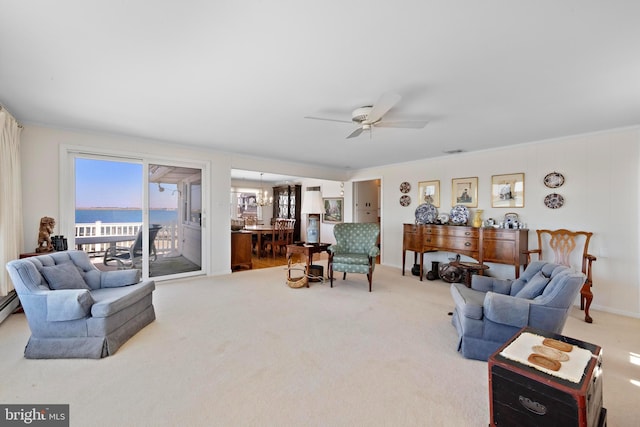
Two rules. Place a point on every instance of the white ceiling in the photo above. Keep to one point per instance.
(241, 76)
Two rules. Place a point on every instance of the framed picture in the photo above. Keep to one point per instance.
(333, 209)
(464, 191)
(507, 191)
(429, 192)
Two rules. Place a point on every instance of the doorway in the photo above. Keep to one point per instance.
(367, 206)
(175, 211)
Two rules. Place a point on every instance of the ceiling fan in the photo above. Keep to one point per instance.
(370, 116)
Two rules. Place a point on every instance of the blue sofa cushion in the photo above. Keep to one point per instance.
(119, 278)
(68, 304)
(468, 302)
(506, 310)
(109, 301)
(534, 286)
(64, 276)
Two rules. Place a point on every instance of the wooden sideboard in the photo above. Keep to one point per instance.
(497, 245)
(241, 243)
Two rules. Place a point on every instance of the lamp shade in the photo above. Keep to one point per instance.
(312, 202)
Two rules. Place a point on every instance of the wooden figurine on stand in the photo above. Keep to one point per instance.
(44, 234)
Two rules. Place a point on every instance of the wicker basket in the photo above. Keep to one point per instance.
(297, 282)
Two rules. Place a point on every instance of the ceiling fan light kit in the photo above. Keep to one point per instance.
(360, 115)
(370, 116)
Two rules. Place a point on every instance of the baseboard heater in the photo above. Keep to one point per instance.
(8, 305)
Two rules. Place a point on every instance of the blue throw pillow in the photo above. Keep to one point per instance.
(64, 276)
(534, 287)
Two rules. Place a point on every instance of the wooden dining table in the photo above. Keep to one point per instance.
(260, 231)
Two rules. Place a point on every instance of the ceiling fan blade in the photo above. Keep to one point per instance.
(384, 104)
(355, 133)
(411, 124)
(328, 120)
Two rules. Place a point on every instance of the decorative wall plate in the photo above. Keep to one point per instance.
(426, 213)
(405, 187)
(554, 201)
(405, 200)
(554, 180)
(459, 215)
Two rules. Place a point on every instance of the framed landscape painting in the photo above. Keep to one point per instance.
(464, 191)
(333, 209)
(507, 191)
(429, 192)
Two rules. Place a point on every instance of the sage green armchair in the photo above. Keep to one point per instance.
(355, 250)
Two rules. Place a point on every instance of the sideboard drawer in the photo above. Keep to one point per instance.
(456, 231)
(500, 234)
(468, 232)
(448, 243)
(410, 228)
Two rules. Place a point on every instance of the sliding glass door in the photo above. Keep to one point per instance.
(132, 214)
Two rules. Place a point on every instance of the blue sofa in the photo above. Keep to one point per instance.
(491, 311)
(75, 310)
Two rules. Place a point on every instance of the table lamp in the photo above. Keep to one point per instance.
(312, 206)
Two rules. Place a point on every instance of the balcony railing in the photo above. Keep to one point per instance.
(166, 240)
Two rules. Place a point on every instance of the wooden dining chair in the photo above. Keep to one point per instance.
(291, 226)
(279, 236)
(569, 248)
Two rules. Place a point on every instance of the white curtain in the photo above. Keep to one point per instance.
(10, 196)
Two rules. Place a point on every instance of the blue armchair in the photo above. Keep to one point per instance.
(493, 310)
(75, 310)
(355, 249)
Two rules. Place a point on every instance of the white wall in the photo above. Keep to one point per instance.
(601, 196)
(40, 152)
(601, 193)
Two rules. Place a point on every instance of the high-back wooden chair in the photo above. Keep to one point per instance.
(569, 248)
(291, 226)
(279, 236)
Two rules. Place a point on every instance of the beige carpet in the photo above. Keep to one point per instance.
(246, 350)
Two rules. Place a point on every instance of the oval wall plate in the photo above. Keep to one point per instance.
(554, 201)
(554, 180)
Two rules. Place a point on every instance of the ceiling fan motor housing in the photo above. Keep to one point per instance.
(361, 114)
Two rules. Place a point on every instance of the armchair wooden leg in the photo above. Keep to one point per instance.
(344, 276)
(330, 273)
(586, 296)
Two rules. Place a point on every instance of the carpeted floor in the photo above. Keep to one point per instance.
(246, 350)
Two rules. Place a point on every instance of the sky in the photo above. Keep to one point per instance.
(104, 183)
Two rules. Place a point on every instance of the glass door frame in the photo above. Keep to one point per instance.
(67, 199)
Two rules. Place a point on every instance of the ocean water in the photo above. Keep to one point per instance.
(156, 216)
